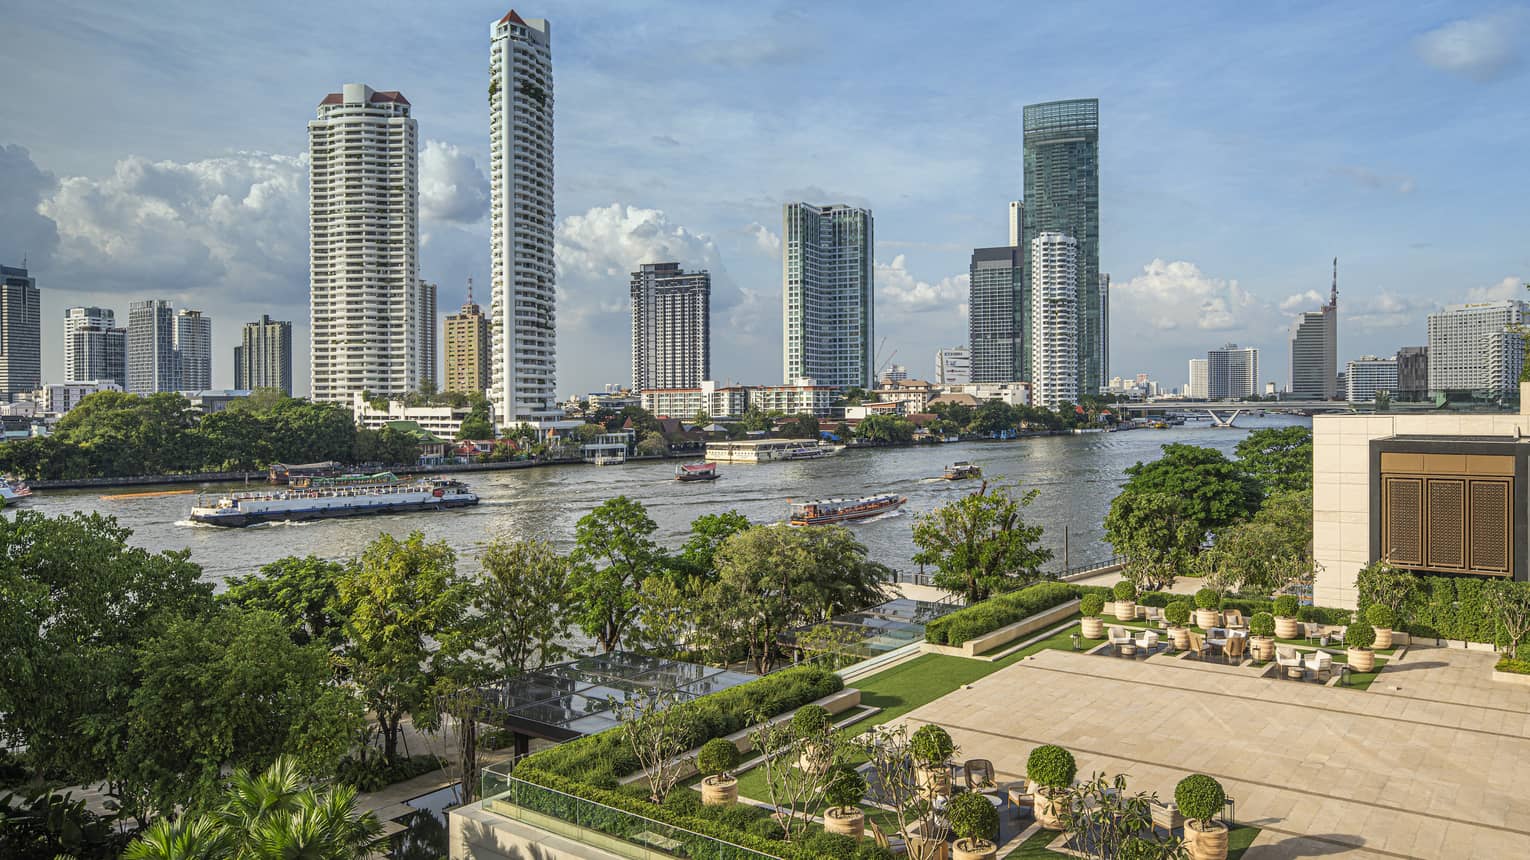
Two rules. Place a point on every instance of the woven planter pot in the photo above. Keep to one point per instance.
(933, 780)
(1126, 610)
(1181, 637)
(1049, 808)
(1092, 628)
(851, 822)
(1383, 638)
(1361, 659)
(814, 760)
(1285, 627)
(719, 791)
(1208, 618)
(1263, 648)
(975, 849)
(1206, 844)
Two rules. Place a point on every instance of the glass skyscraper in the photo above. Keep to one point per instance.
(1062, 195)
(997, 301)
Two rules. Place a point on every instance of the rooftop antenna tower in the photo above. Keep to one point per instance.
(1333, 292)
(470, 288)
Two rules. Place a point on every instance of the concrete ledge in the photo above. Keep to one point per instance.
(1004, 635)
(1511, 678)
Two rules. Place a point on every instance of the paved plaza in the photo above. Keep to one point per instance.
(1429, 763)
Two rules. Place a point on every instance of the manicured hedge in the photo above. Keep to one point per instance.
(1453, 607)
(973, 621)
(1513, 665)
(1250, 605)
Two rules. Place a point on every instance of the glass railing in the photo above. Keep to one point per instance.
(623, 833)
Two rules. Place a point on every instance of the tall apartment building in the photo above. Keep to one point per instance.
(1232, 372)
(671, 327)
(1476, 350)
(1104, 299)
(467, 348)
(1367, 376)
(523, 346)
(193, 351)
(1062, 195)
(1195, 389)
(96, 354)
(363, 214)
(953, 366)
(75, 319)
(1412, 373)
(263, 358)
(998, 299)
(1054, 319)
(1016, 222)
(1315, 349)
(20, 333)
(151, 347)
(427, 341)
(827, 296)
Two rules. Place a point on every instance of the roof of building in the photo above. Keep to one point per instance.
(512, 18)
(960, 398)
(414, 429)
(383, 96)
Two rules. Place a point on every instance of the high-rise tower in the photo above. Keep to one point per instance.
(20, 333)
(523, 346)
(151, 347)
(1315, 348)
(264, 357)
(364, 238)
(1054, 319)
(827, 294)
(997, 294)
(671, 327)
(467, 348)
(193, 351)
(77, 319)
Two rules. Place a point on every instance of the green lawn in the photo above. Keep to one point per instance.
(1239, 838)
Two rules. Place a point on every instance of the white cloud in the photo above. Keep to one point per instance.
(1384, 310)
(1297, 303)
(765, 241)
(1509, 288)
(24, 232)
(1172, 296)
(452, 188)
(1482, 48)
(899, 289)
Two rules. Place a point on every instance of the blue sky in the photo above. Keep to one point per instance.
(157, 150)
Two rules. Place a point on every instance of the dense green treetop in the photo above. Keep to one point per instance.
(613, 553)
(980, 544)
(1217, 491)
(1279, 458)
(300, 591)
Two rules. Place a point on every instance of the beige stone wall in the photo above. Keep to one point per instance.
(1341, 488)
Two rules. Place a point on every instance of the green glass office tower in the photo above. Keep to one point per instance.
(1062, 195)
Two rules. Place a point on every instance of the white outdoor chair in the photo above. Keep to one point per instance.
(1148, 640)
(1119, 637)
(1287, 657)
(1320, 663)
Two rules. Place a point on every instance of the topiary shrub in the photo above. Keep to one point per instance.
(845, 787)
(810, 720)
(1050, 766)
(1125, 590)
(931, 745)
(826, 844)
(1262, 624)
(1359, 635)
(682, 801)
(716, 757)
(972, 817)
(1285, 605)
(1177, 613)
(1208, 598)
(1199, 797)
(1092, 605)
(1309, 613)
(1381, 616)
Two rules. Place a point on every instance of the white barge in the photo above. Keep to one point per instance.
(325, 498)
(769, 450)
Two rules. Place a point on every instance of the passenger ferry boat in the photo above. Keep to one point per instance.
(696, 472)
(13, 491)
(962, 470)
(322, 498)
(769, 450)
(842, 510)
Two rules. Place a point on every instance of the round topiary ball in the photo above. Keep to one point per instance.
(1285, 605)
(931, 745)
(1051, 766)
(1381, 616)
(1208, 598)
(810, 720)
(845, 787)
(1177, 613)
(972, 817)
(716, 756)
(1125, 590)
(1359, 635)
(1200, 797)
(1092, 605)
(1262, 624)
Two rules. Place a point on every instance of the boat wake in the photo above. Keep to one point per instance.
(884, 516)
(192, 524)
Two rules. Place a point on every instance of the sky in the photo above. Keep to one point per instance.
(157, 150)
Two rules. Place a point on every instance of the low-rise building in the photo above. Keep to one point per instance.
(914, 393)
(806, 396)
(866, 410)
(215, 399)
(1368, 376)
(1012, 393)
(441, 421)
(716, 401)
(56, 398)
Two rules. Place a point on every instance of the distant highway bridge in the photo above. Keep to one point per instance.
(1224, 413)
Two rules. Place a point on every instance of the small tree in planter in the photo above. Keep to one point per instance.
(1091, 606)
(975, 823)
(1200, 798)
(1509, 603)
(1126, 600)
(784, 748)
(1381, 618)
(1050, 769)
(1358, 639)
(932, 749)
(889, 752)
(1208, 608)
(1106, 822)
(657, 734)
(1285, 616)
(716, 759)
(1261, 630)
(1178, 615)
(843, 793)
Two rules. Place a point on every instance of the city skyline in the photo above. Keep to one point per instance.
(1201, 247)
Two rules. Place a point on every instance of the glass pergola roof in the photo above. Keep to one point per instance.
(881, 628)
(564, 701)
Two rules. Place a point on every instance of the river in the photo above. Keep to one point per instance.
(1077, 477)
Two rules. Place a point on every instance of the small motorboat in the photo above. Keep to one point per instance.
(13, 491)
(696, 472)
(962, 470)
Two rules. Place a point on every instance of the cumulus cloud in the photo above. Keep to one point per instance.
(765, 241)
(1169, 296)
(899, 289)
(24, 232)
(1509, 288)
(1297, 303)
(1384, 310)
(452, 188)
(1482, 48)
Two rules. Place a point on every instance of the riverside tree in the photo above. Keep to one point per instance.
(521, 618)
(1279, 458)
(1216, 491)
(613, 554)
(1155, 535)
(300, 591)
(980, 544)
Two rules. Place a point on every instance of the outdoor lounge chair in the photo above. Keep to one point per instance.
(1119, 637)
(893, 844)
(1148, 641)
(1232, 619)
(1312, 631)
(1287, 657)
(1235, 648)
(1198, 645)
(1321, 664)
(979, 774)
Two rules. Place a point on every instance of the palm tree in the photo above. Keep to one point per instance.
(323, 826)
(194, 838)
(252, 799)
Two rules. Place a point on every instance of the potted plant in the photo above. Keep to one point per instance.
(1092, 627)
(975, 822)
(1199, 798)
(1178, 615)
(1208, 608)
(1358, 639)
(1261, 629)
(931, 747)
(1381, 618)
(716, 758)
(1050, 769)
(1126, 600)
(843, 792)
(811, 726)
(1285, 616)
